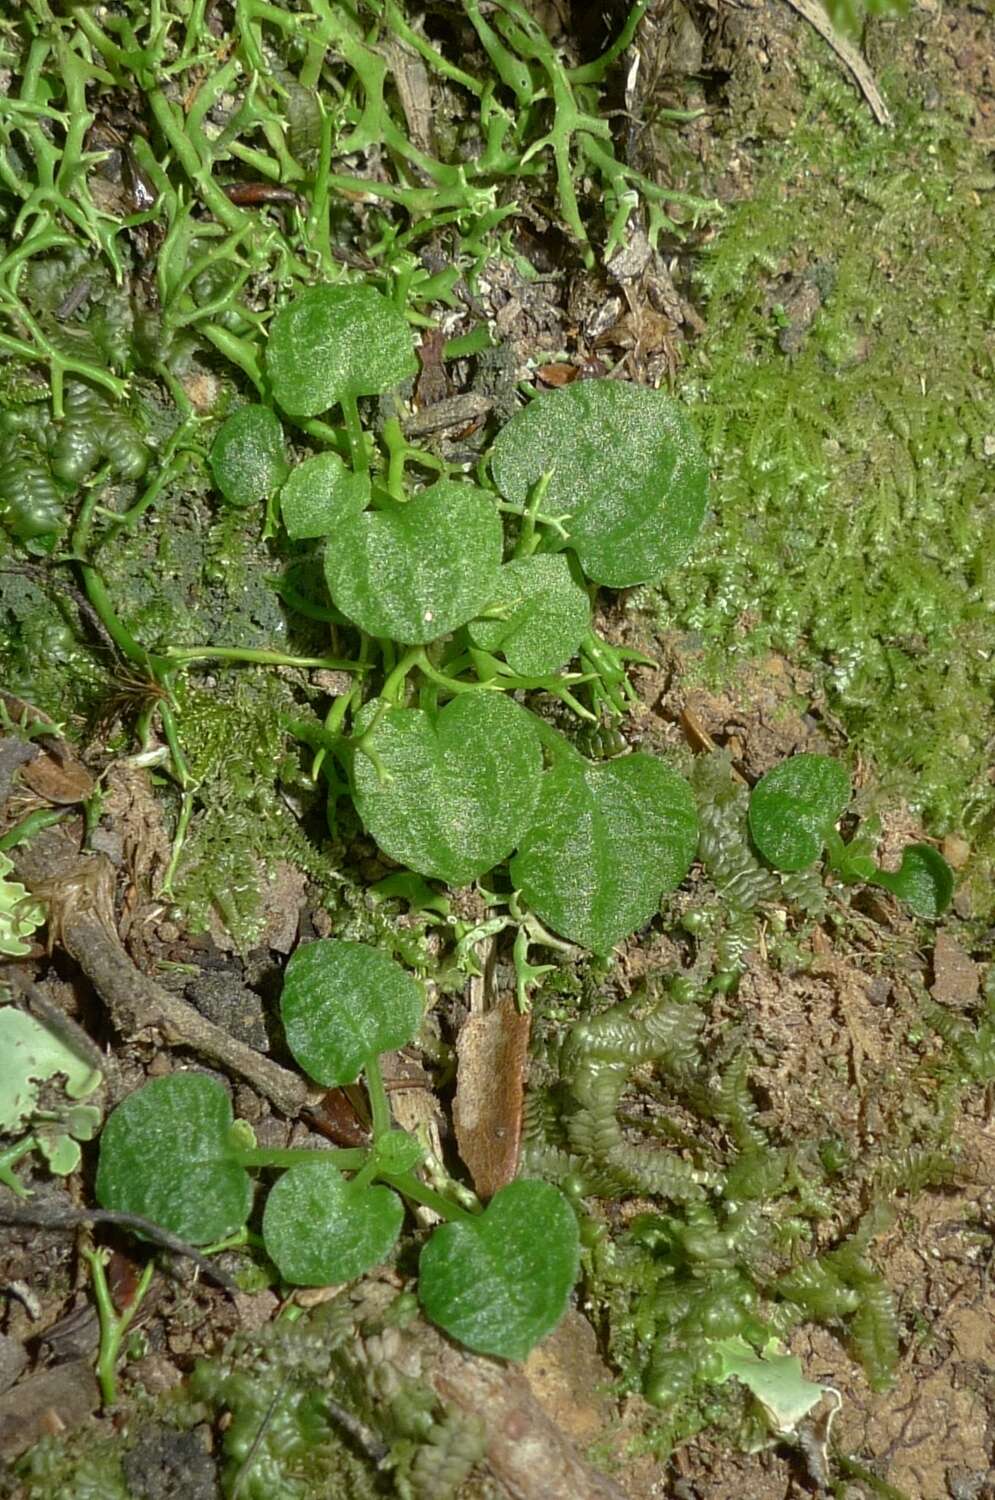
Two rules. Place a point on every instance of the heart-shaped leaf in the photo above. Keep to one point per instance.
(166, 1153)
(462, 786)
(418, 568)
(794, 806)
(248, 459)
(333, 342)
(343, 1003)
(606, 841)
(924, 881)
(546, 615)
(320, 495)
(502, 1282)
(625, 463)
(320, 1229)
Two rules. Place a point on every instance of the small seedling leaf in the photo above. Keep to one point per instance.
(502, 1282)
(625, 463)
(166, 1153)
(605, 843)
(320, 1229)
(794, 806)
(417, 569)
(924, 881)
(321, 495)
(397, 1152)
(344, 1003)
(248, 459)
(461, 786)
(335, 341)
(546, 616)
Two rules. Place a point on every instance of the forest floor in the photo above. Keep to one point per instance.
(829, 326)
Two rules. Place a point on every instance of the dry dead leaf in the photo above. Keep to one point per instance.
(490, 1087)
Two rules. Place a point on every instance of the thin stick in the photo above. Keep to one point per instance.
(69, 1218)
(848, 55)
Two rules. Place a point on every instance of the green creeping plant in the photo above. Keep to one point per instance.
(793, 813)
(475, 591)
(497, 1280)
(463, 593)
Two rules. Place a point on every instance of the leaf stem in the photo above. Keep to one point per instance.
(379, 1103)
(113, 1325)
(354, 431)
(408, 1186)
(349, 1158)
(259, 656)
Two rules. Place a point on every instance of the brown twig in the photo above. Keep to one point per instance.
(79, 894)
(849, 56)
(59, 1217)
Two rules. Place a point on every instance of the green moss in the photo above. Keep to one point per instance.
(54, 1468)
(854, 528)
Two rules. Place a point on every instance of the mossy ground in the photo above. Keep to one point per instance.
(843, 384)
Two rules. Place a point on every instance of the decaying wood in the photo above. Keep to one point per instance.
(528, 1454)
(79, 894)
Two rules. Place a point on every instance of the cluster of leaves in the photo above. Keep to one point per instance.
(497, 1280)
(457, 596)
(452, 788)
(20, 916)
(44, 1083)
(451, 791)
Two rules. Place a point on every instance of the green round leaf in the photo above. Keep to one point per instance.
(547, 615)
(626, 464)
(343, 1003)
(605, 843)
(320, 1229)
(418, 568)
(165, 1153)
(321, 495)
(793, 807)
(248, 459)
(333, 342)
(397, 1152)
(502, 1282)
(924, 881)
(462, 785)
